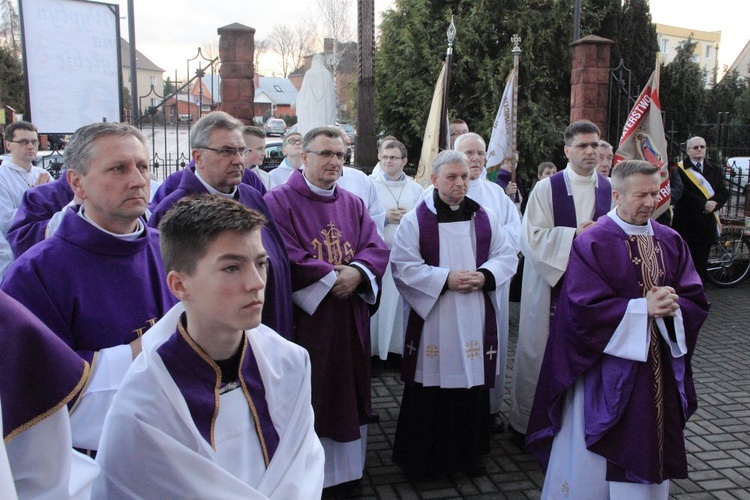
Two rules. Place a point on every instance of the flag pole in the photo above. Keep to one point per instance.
(516, 51)
(451, 35)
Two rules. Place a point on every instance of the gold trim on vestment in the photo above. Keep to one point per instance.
(31, 423)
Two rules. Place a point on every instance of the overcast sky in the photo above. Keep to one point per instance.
(170, 31)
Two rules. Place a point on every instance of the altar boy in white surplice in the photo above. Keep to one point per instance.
(217, 405)
(398, 194)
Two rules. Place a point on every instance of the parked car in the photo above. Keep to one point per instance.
(738, 171)
(274, 156)
(275, 126)
(350, 132)
(186, 117)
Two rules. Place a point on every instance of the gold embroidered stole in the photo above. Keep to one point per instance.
(648, 258)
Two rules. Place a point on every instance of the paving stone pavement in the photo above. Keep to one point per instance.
(718, 434)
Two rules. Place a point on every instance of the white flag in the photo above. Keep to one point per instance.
(500, 148)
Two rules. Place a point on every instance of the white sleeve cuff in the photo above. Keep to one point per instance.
(371, 295)
(677, 347)
(309, 298)
(632, 336)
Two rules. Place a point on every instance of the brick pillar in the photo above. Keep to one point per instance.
(236, 50)
(589, 81)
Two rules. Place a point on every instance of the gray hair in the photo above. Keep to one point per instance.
(330, 132)
(447, 157)
(79, 153)
(469, 135)
(692, 140)
(628, 168)
(204, 127)
(605, 144)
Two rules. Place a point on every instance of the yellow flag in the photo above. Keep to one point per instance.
(431, 140)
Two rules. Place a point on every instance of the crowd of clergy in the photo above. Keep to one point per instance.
(213, 336)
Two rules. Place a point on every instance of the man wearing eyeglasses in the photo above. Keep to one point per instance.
(560, 208)
(337, 260)
(291, 148)
(219, 154)
(18, 174)
(696, 214)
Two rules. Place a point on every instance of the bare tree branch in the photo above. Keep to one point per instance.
(282, 42)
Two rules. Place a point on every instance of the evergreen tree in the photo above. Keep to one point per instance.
(636, 42)
(682, 91)
(12, 85)
(723, 96)
(169, 87)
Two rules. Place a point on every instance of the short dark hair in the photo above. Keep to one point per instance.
(79, 153)
(253, 132)
(384, 140)
(11, 129)
(579, 127)
(194, 222)
(459, 121)
(628, 168)
(330, 132)
(544, 166)
(396, 145)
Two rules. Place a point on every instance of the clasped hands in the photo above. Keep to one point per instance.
(465, 281)
(662, 301)
(347, 281)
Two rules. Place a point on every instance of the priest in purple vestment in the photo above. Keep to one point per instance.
(616, 386)
(337, 260)
(99, 282)
(39, 377)
(218, 150)
(35, 213)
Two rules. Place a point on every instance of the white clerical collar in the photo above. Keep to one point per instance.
(15, 166)
(631, 229)
(319, 191)
(580, 179)
(212, 190)
(387, 178)
(139, 227)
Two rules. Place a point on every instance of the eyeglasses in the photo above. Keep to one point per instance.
(225, 151)
(698, 147)
(391, 158)
(26, 142)
(327, 154)
(469, 154)
(296, 142)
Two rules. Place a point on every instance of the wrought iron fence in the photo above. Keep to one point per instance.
(167, 123)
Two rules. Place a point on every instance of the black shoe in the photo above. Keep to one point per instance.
(475, 469)
(497, 423)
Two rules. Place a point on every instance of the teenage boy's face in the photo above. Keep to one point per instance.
(226, 289)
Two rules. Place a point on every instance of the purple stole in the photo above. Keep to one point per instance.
(39, 374)
(564, 210)
(429, 248)
(199, 378)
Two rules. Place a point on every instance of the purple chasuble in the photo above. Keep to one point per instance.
(620, 421)
(429, 247)
(199, 379)
(173, 180)
(92, 289)
(37, 207)
(320, 232)
(39, 374)
(277, 307)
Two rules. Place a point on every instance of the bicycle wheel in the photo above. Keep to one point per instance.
(729, 260)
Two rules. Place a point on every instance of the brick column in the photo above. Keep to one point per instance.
(236, 50)
(589, 81)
